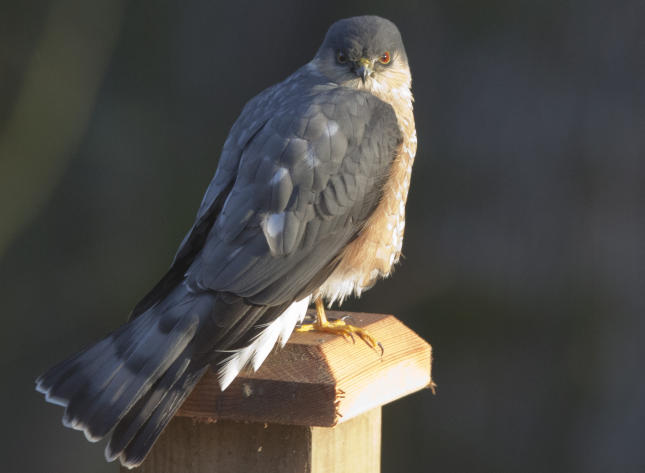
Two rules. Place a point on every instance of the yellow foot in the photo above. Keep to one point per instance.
(339, 327)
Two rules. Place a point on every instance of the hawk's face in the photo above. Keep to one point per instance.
(365, 52)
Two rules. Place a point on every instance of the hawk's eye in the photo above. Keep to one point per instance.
(385, 58)
(341, 58)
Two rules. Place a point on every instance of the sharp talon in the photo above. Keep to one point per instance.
(339, 327)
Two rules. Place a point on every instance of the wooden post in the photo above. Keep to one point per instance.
(313, 407)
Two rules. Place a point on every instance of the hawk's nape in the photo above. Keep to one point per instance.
(303, 173)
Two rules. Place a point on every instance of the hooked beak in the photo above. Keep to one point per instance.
(363, 68)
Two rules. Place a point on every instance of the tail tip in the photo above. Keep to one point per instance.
(49, 397)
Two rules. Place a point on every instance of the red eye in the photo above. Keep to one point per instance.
(385, 58)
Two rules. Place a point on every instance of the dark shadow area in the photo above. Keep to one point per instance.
(524, 257)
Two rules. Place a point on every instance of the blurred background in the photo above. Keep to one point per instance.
(525, 256)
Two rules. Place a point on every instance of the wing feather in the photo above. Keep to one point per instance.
(305, 186)
(300, 172)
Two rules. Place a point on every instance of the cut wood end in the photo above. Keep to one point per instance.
(320, 379)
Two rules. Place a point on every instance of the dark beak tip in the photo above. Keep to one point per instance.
(363, 72)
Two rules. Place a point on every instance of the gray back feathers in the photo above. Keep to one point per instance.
(302, 170)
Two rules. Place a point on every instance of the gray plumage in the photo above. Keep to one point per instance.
(366, 36)
(266, 242)
(300, 173)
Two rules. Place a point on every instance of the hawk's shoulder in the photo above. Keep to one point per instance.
(300, 172)
(303, 185)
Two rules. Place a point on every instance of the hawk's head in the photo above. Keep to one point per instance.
(364, 52)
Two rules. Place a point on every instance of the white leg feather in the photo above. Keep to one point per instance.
(254, 354)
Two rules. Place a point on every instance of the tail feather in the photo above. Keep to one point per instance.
(130, 424)
(129, 385)
(58, 381)
(134, 377)
(172, 399)
(122, 380)
(59, 384)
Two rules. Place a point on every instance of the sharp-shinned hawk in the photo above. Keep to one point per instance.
(307, 203)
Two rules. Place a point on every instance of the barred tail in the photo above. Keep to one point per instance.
(133, 381)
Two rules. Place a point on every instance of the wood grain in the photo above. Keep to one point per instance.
(353, 446)
(321, 379)
(313, 407)
(189, 446)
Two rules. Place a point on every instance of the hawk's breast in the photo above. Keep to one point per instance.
(378, 247)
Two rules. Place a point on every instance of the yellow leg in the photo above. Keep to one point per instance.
(338, 327)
